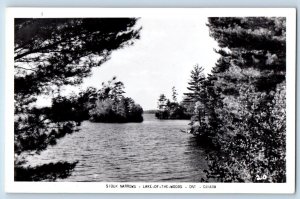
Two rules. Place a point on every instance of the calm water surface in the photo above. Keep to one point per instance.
(152, 151)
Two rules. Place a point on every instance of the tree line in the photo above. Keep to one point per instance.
(49, 54)
(172, 109)
(107, 104)
(239, 109)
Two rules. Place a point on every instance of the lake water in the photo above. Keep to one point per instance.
(151, 151)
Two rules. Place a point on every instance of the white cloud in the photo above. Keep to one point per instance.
(162, 58)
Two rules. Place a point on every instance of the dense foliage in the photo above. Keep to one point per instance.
(110, 105)
(50, 53)
(168, 109)
(194, 98)
(241, 110)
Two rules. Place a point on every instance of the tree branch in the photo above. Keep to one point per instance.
(26, 68)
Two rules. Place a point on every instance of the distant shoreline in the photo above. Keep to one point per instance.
(150, 111)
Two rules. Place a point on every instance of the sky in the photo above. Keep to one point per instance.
(163, 57)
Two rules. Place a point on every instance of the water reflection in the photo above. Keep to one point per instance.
(197, 158)
(152, 151)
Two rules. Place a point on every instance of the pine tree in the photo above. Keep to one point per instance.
(162, 102)
(49, 54)
(240, 93)
(195, 84)
(174, 94)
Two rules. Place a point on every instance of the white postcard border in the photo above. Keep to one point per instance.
(101, 187)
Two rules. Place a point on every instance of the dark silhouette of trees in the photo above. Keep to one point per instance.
(171, 109)
(162, 102)
(50, 172)
(162, 112)
(49, 54)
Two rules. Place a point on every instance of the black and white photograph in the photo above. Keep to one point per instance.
(169, 101)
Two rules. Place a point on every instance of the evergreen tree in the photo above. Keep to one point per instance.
(174, 94)
(195, 84)
(242, 92)
(113, 89)
(112, 106)
(162, 102)
(49, 54)
(258, 43)
(171, 109)
(196, 100)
